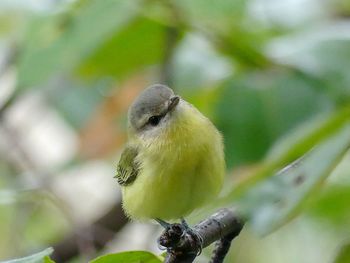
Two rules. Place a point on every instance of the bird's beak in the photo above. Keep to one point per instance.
(173, 102)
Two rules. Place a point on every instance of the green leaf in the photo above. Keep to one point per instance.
(41, 257)
(128, 257)
(59, 44)
(47, 259)
(288, 154)
(139, 44)
(333, 206)
(343, 255)
(256, 109)
(273, 202)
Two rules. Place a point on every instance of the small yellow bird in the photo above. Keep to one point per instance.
(173, 162)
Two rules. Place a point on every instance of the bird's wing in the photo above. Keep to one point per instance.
(128, 168)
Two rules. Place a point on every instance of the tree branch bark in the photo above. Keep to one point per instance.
(183, 246)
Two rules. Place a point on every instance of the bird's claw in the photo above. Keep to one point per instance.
(177, 235)
(171, 236)
(196, 240)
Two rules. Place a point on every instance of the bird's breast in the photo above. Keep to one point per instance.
(179, 169)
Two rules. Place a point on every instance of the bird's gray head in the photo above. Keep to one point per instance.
(152, 108)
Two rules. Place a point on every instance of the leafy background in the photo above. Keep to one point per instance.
(274, 76)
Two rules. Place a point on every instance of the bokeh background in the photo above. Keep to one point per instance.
(69, 69)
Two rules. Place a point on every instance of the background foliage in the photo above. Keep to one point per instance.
(274, 76)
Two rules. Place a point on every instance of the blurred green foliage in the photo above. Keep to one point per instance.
(277, 200)
(263, 107)
(40, 257)
(344, 254)
(64, 41)
(142, 35)
(276, 83)
(128, 257)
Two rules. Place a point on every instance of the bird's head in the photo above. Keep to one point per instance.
(153, 111)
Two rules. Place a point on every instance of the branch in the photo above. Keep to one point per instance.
(183, 246)
(7, 104)
(222, 246)
(99, 232)
(7, 63)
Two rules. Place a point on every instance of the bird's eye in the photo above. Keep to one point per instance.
(154, 120)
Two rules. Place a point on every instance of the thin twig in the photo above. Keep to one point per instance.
(7, 104)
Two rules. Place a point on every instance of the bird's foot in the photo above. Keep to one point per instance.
(163, 223)
(179, 237)
(197, 240)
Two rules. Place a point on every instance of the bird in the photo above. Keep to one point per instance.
(173, 161)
